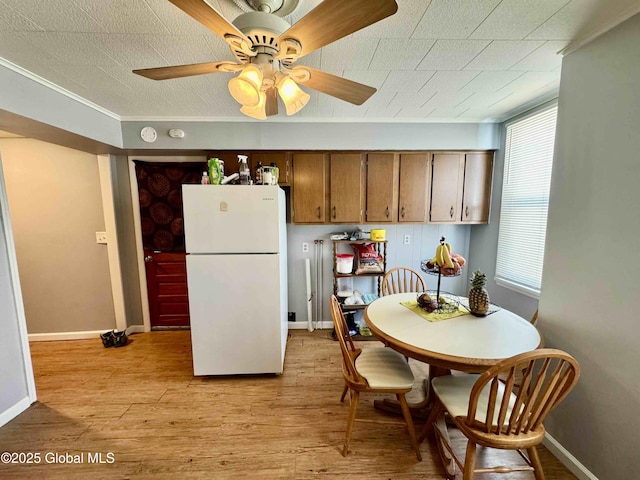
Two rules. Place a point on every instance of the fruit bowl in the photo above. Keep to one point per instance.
(446, 303)
(433, 269)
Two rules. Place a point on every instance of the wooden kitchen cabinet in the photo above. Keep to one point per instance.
(382, 187)
(347, 188)
(476, 196)
(309, 188)
(413, 187)
(447, 179)
(282, 161)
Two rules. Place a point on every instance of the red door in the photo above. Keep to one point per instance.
(160, 197)
(167, 289)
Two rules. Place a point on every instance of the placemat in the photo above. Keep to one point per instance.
(433, 317)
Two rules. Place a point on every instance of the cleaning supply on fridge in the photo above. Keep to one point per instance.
(275, 172)
(259, 172)
(205, 179)
(245, 174)
(216, 172)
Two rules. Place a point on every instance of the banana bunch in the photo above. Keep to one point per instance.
(447, 263)
(443, 256)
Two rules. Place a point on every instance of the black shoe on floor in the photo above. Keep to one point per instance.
(108, 339)
(119, 339)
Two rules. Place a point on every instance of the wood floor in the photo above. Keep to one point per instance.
(142, 404)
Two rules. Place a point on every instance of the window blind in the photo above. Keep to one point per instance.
(525, 201)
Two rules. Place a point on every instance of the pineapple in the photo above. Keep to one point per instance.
(478, 296)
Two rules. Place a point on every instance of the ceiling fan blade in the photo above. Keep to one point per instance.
(334, 19)
(271, 107)
(209, 17)
(347, 90)
(178, 71)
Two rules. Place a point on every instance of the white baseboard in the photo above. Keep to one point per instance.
(305, 325)
(135, 329)
(13, 412)
(568, 460)
(53, 337)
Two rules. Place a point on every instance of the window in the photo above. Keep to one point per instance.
(525, 201)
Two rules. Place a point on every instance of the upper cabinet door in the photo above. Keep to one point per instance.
(446, 187)
(478, 176)
(309, 190)
(282, 161)
(414, 187)
(347, 187)
(382, 187)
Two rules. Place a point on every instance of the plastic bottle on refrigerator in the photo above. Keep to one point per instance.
(259, 174)
(245, 174)
(205, 179)
(276, 173)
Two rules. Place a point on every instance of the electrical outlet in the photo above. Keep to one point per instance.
(101, 237)
(305, 247)
(407, 239)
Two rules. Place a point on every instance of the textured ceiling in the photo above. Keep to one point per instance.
(438, 60)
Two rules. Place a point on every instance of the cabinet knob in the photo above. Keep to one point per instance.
(402, 212)
(319, 211)
(148, 259)
(334, 212)
(387, 212)
(451, 211)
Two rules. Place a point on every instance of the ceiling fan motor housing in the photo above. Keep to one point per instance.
(261, 28)
(276, 7)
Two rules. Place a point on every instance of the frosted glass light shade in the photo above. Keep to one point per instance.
(259, 111)
(245, 88)
(294, 99)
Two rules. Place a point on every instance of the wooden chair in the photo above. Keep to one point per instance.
(489, 412)
(401, 280)
(374, 370)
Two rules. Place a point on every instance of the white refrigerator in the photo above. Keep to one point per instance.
(236, 243)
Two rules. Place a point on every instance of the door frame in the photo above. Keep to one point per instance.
(135, 202)
(17, 295)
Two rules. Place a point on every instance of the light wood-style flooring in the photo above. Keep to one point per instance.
(142, 403)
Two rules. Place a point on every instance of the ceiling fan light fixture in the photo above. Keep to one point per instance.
(293, 97)
(259, 112)
(245, 88)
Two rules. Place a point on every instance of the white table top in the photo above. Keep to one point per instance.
(464, 341)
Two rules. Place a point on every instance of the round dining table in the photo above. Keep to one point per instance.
(466, 342)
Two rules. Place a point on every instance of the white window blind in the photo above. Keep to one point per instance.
(525, 201)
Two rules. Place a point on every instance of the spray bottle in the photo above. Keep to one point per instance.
(245, 174)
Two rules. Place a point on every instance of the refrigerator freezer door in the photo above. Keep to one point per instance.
(236, 314)
(232, 218)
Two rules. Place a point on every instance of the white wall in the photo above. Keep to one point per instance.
(39, 100)
(56, 208)
(424, 240)
(299, 135)
(590, 289)
(16, 376)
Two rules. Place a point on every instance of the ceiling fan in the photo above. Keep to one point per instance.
(267, 47)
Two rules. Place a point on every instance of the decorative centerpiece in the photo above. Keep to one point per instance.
(478, 295)
(443, 264)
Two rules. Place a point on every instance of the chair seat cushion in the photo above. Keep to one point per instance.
(384, 368)
(454, 392)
